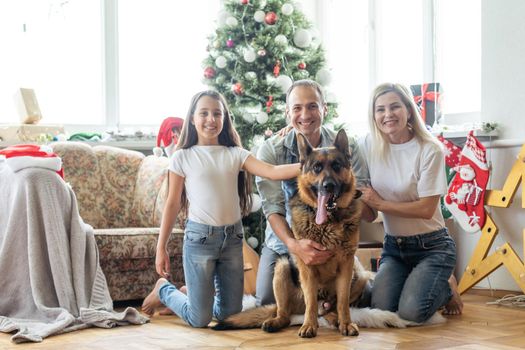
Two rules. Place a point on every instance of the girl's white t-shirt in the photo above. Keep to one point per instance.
(211, 174)
(412, 171)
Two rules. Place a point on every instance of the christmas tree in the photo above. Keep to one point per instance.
(258, 49)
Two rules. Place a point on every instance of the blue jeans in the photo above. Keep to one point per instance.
(214, 274)
(413, 274)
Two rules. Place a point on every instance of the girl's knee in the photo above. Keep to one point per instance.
(199, 321)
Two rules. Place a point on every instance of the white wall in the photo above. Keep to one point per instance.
(502, 100)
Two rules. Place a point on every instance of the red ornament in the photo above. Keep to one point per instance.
(230, 43)
(301, 65)
(209, 72)
(245, 2)
(270, 18)
(238, 89)
(269, 103)
(277, 68)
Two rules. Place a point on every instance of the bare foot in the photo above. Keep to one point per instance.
(455, 305)
(166, 311)
(152, 301)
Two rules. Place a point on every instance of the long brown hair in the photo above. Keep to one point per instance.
(227, 137)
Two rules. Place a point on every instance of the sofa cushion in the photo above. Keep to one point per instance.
(81, 170)
(118, 169)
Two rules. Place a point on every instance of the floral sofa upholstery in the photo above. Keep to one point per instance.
(121, 194)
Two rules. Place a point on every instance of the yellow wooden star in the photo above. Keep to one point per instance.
(481, 265)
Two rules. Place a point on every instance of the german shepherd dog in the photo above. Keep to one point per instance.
(324, 210)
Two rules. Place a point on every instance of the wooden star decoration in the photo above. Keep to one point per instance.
(481, 265)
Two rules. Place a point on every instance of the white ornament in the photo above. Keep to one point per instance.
(221, 18)
(281, 40)
(262, 4)
(287, 9)
(316, 37)
(330, 97)
(323, 76)
(262, 117)
(258, 16)
(252, 242)
(248, 118)
(256, 202)
(231, 22)
(250, 75)
(249, 55)
(220, 62)
(284, 82)
(302, 38)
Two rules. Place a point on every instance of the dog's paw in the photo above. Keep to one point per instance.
(275, 324)
(308, 331)
(349, 329)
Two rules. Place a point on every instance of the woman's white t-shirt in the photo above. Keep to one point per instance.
(412, 171)
(211, 174)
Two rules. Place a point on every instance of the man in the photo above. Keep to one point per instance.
(305, 111)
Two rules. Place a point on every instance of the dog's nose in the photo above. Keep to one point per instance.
(329, 185)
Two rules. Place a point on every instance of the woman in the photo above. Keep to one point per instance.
(407, 177)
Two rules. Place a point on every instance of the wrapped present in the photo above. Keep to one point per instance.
(428, 99)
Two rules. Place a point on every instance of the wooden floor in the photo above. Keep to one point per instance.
(480, 327)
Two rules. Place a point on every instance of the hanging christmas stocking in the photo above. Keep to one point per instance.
(168, 136)
(452, 156)
(466, 194)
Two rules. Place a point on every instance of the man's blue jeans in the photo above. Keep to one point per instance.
(214, 274)
(413, 274)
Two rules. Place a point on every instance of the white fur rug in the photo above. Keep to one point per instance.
(365, 317)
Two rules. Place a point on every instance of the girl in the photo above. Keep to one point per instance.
(418, 257)
(205, 178)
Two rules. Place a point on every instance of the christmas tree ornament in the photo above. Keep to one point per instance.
(269, 103)
(221, 18)
(301, 65)
(220, 62)
(268, 133)
(209, 72)
(277, 68)
(270, 18)
(248, 118)
(323, 76)
(258, 16)
(302, 38)
(316, 37)
(262, 4)
(287, 9)
(281, 40)
(220, 80)
(261, 52)
(238, 89)
(253, 242)
(466, 194)
(262, 117)
(216, 44)
(245, 2)
(250, 75)
(330, 97)
(231, 22)
(249, 55)
(230, 43)
(284, 82)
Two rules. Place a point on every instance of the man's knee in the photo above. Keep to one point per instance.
(199, 320)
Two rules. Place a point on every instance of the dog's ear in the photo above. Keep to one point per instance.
(304, 147)
(341, 142)
(357, 194)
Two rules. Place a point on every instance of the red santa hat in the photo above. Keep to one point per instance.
(166, 137)
(19, 157)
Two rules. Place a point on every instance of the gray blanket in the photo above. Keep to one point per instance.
(50, 277)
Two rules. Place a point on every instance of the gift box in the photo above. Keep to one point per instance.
(428, 99)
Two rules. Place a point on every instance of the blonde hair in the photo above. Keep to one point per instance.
(380, 143)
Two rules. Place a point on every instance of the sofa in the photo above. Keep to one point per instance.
(121, 194)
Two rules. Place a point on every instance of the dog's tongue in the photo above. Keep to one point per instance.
(321, 215)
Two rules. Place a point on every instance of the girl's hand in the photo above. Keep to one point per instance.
(371, 197)
(162, 263)
(284, 131)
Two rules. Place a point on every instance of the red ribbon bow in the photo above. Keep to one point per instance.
(424, 97)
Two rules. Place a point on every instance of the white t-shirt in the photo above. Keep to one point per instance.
(211, 174)
(413, 171)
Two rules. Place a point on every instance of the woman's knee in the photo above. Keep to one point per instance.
(199, 320)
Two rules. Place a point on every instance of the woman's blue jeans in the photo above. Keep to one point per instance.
(413, 274)
(214, 274)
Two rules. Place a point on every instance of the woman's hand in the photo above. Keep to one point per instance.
(162, 262)
(371, 197)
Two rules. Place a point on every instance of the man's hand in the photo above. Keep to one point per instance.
(310, 252)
